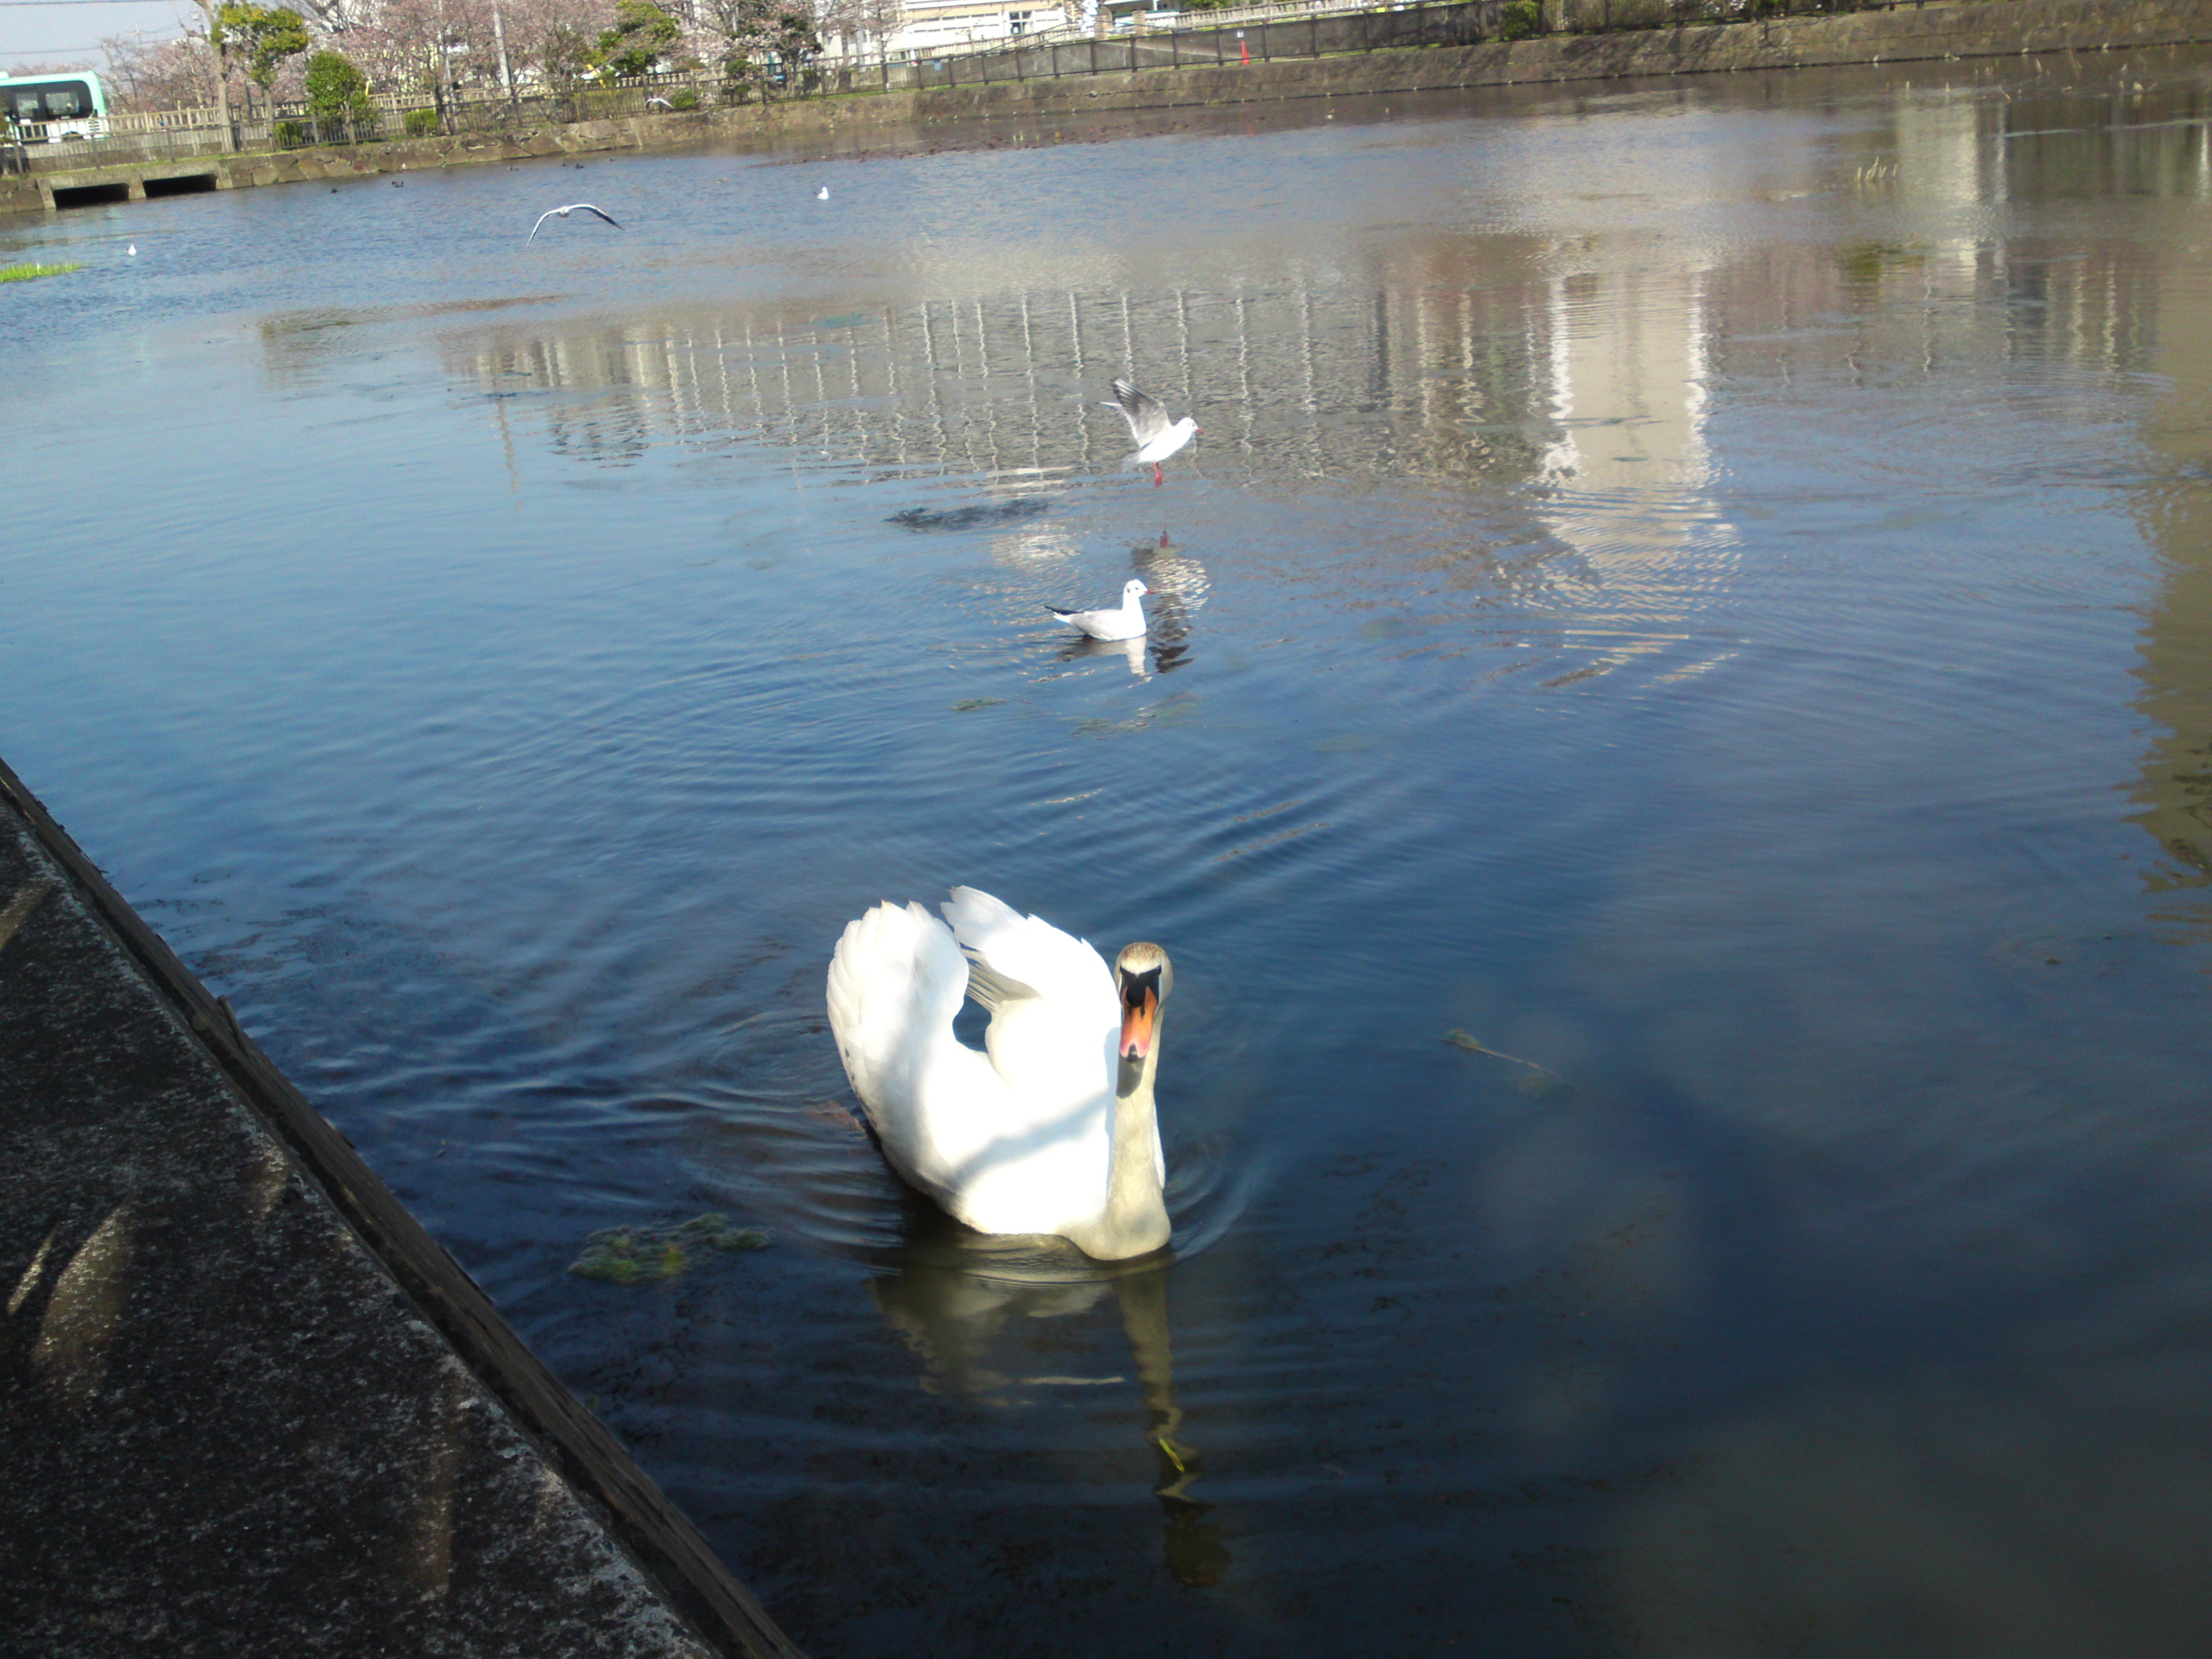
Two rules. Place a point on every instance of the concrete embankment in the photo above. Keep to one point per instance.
(1935, 31)
(1601, 45)
(251, 1407)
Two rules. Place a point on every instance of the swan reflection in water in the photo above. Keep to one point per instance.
(953, 1294)
(1179, 584)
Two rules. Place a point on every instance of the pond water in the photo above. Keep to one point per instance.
(1673, 763)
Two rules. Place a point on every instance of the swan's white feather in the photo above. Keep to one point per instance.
(1057, 967)
(1018, 1142)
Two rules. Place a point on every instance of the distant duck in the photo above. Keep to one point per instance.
(823, 194)
(1125, 622)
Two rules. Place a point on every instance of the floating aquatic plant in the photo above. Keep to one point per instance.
(638, 1255)
(25, 273)
(1474, 1045)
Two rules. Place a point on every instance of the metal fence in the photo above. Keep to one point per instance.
(1314, 35)
(1256, 33)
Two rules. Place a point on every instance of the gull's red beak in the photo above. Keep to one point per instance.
(1140, 1007)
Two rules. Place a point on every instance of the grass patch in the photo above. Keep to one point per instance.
(25, 273)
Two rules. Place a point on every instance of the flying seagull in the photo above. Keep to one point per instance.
(1157, 436)
(562, 213)
(1125, 622)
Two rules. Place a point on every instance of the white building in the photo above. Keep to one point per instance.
(935, 25)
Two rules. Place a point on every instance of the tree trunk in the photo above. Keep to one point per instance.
(221, 76)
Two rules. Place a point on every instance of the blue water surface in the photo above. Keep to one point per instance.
(1672, 763)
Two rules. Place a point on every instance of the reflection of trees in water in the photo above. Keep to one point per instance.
(1428, 364)
(1968, 313)
(2173, 793)
(973, 1308)
(2123, 138)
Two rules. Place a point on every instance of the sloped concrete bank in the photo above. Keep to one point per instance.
(249, 1407)
(1605, 49)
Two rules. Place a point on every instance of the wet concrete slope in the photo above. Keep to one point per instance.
(242, 1411)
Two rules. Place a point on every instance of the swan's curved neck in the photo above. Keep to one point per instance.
(1135, 1219)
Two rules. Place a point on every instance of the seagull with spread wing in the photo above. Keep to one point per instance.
(563, 212)
(1157, 436)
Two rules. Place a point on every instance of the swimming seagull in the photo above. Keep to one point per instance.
(1125, 621)
(562, 213)
(132, 250)
(823, 194)
(1157, 436)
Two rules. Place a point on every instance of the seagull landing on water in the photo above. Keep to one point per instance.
(1125, 621)
(562, 213)
(1157, 436)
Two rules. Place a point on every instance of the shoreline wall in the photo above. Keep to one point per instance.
(1941, 29)
(1937, 30)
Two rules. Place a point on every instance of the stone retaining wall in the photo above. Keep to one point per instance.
(1985, 28)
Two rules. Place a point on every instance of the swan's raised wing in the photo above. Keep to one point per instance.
(1059, 1039)
(1005, 1158)
(894, 987)
(1030, 951)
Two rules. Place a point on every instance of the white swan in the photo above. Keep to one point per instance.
(1035, 1136)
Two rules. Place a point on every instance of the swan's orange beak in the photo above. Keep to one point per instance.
(1140, 1007)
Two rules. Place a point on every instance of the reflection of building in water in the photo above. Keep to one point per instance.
(1627, 385)
(1456, 359)
(1566, 380)
(1422, 367)
(1923, 306)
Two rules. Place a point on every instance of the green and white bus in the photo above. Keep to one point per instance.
(44, 108)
